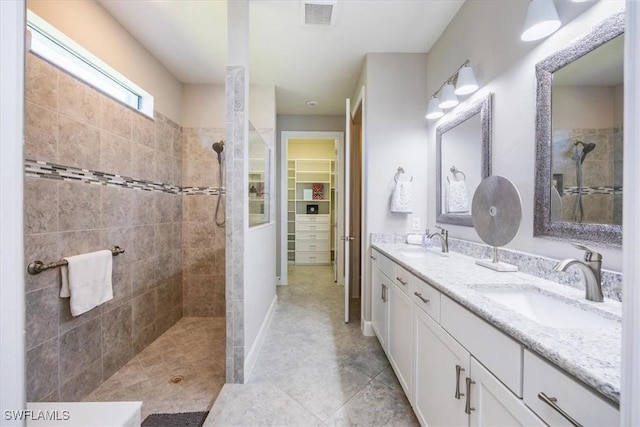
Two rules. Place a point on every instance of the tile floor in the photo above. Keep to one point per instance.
(313, 368)
(192, 348)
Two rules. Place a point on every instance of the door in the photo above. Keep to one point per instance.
(346, 240)
(442, 365)
(493, 404)
(379, 308)
(400, 337)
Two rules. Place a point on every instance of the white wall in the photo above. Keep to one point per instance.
(87, 23)
(395, 134)
(488, 34)
(12, 305)
(261, 241)
(583, 107)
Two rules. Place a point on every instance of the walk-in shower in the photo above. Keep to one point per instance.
(219, 216)
(580, 154)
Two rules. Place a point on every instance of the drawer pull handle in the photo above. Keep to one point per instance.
(467, 406)
(384, 292)
(551, 401)
(425, 300)
(401, 280)
(373, 258)
(458, 370)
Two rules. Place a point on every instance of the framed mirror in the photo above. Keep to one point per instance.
(463, 153)
(579, 138)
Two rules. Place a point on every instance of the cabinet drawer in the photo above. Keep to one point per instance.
(404, 279)
(498, 352)
(312, 245)
(426, 298)
(312, 218)
(386, 266)
(313, 258)
(311, 235)
(312, 226)
(577, 400)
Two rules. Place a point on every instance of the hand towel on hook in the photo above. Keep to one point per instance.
(457, 197)
(87, 280)
(402, 197)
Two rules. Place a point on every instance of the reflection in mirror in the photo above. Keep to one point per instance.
(463, 161)
(259, 173)
(579, 133)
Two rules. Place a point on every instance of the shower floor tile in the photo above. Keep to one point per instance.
(192, 349)
(313, 369)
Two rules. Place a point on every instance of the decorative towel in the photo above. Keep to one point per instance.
(402, 197)
(87, 280)
(457, 197)
(415, 239)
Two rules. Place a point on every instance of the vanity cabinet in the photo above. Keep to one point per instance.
(541, 379)
(379, 310)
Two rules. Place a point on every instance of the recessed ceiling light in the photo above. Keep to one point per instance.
(312, 103)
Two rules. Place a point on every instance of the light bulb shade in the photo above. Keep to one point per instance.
(542, 20)
(466, 83)
(448, 98)
(433, 110)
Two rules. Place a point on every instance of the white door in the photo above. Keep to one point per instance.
(492, 404)
(337, 192)
(347, 220)
(442, 366)
(400, 337)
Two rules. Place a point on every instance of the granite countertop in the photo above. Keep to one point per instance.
(591, 354)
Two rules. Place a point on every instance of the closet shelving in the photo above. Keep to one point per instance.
(310, 211)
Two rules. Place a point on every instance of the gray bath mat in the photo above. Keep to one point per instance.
(183, 419)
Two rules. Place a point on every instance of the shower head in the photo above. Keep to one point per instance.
(586, 149)
(218, 147)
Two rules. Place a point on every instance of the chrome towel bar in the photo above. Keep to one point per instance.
(37, 267)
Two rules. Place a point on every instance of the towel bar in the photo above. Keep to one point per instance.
(37, 267)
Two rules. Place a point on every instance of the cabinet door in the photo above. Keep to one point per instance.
(400, 337)
(379, 314)
(493, 404)
(436, 356)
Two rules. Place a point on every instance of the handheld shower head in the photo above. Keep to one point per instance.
(586, 149)
(218, 147)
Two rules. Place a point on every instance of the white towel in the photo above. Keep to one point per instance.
(402, 197)
(87, 280)
(457, 198)
(415, 239)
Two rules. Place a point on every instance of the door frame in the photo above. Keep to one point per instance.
(285, 136)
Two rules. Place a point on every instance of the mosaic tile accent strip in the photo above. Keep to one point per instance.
(535, 265)
(67, 173)
(593, 190)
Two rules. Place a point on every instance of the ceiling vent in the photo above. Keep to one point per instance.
(318, 13)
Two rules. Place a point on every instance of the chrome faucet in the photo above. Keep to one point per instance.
(444, 238)
(591, 269)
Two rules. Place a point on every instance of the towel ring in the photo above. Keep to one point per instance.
(454, 170)
(400, 171)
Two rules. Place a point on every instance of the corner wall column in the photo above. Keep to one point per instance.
(237, 135)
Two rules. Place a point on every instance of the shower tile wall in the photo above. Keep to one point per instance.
(602, 173)
(203, 240)
(69, 123)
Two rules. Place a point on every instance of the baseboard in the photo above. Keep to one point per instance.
(367, 328)
(252, 356)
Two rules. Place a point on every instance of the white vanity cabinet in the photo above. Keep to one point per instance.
(568, 396)
(379, 307)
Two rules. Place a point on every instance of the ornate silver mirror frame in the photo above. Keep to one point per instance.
(482, 107)
(607, 234)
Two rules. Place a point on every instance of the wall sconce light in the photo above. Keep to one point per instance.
(462, 82)
(542, 20)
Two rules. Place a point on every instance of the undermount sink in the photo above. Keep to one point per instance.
(547, 310)
(420, 252)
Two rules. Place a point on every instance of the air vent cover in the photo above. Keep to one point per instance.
(318, 13)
